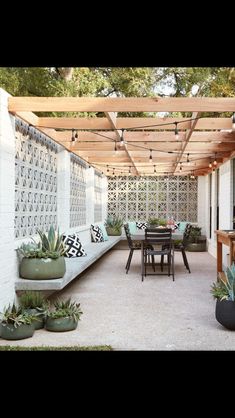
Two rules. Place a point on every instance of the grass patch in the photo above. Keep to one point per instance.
(50, 348)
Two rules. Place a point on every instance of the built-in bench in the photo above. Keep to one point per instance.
(74, 267)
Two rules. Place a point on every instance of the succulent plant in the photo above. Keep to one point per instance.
(15, 315)
(64, 309)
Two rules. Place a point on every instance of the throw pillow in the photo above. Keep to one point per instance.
(75, 248)
(104, 232)
(177, 225)
(96, 233)
(141, 225)
(132, 227)
(182, 226)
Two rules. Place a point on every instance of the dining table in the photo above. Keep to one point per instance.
(140, 236)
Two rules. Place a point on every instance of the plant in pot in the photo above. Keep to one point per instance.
(224, 293)
(195, 241)
(16, 323)
(113, 225)
(35, 304)
(43, 260)
(63, 316)
(153, 222)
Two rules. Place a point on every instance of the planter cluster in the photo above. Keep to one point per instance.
(34, 312)
(224, 293)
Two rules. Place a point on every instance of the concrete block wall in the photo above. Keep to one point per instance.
(8, 243)
(225, 206)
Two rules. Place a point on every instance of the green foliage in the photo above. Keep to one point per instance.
(64, 309)
(52, 348)
(195, 233)
(33, 300)
(51, 245)
(225, 287)
(153, 221)
(114, 222)
(16, 316)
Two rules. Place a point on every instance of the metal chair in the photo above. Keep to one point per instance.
(133, 246)
(181, 246)
(162, 238)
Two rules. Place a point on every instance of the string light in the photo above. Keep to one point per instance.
(129, 170)
(188, 162)
(76, 135)
(122, 138)
(115, 147)
(215, 162)
(113, 171)
(176, 131)
(233, 122)
(107, 169)
(180, 166)
(73, 139)
(210, 165)
(155, 169)
(150, 156)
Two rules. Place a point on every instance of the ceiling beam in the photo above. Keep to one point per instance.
(188, 136)
(119, 104)
(112, 118)
(122, 123)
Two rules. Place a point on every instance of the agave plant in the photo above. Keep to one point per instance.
(33, 300)
(225, 288)
(51, 245)
(16, 316)
(64, 309)
(114, 222)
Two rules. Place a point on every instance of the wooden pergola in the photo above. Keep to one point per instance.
(202, 141)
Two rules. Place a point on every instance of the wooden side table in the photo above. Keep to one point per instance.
(226, 237)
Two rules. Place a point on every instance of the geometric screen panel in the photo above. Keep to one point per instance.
(98, 198)
(77, 192)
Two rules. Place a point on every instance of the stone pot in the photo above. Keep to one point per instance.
(196, 246)
(42, 268)
(60, 324)
(9, 332)
(113, 231)
(40, 321)
(225, 313)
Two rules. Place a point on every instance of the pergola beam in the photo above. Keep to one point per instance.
(119, 104)
(165, 124)
(112, 118)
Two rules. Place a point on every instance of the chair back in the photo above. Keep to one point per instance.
(186, 233)
(128, 235)
(159, 236)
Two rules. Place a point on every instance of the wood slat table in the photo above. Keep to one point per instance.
(226, 237)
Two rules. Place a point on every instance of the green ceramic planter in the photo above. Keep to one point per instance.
(112, 231)
(42, 268)
(196, 247)
(60, 324)
(40, 321)
(9, 332)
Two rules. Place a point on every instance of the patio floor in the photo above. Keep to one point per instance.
(157, 314)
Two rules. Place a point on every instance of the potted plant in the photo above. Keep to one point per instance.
(43, 260)
(113, 225)
(196, 241)
(16, 324)
(64, 316)
(35, 304)
(224, 293)
(153, 222)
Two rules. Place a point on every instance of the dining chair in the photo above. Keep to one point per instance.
(161, 241)
(133, 245)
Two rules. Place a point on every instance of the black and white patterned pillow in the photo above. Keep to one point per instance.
(96, 233)
(177, 224)
(141, 225)
(74, 245)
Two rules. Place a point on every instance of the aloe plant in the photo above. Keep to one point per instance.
(16, 316)
(51, 245)
(114, 222)
(225, 288)
(64, 309)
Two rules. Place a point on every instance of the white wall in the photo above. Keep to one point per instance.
(7, 203)
(225, 207)
(8, 243)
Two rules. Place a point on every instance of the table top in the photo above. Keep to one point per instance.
(226, 232)
(140, 235)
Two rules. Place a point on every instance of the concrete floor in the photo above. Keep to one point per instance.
(157, 314)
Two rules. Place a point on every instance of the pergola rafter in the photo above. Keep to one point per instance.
(200, 138)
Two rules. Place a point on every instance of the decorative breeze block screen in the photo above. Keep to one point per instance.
(77, 192)
(35, 181)
(140, 198)
(98, 198)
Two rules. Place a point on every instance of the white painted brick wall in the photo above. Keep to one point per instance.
(8, 244)
(7, 203)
